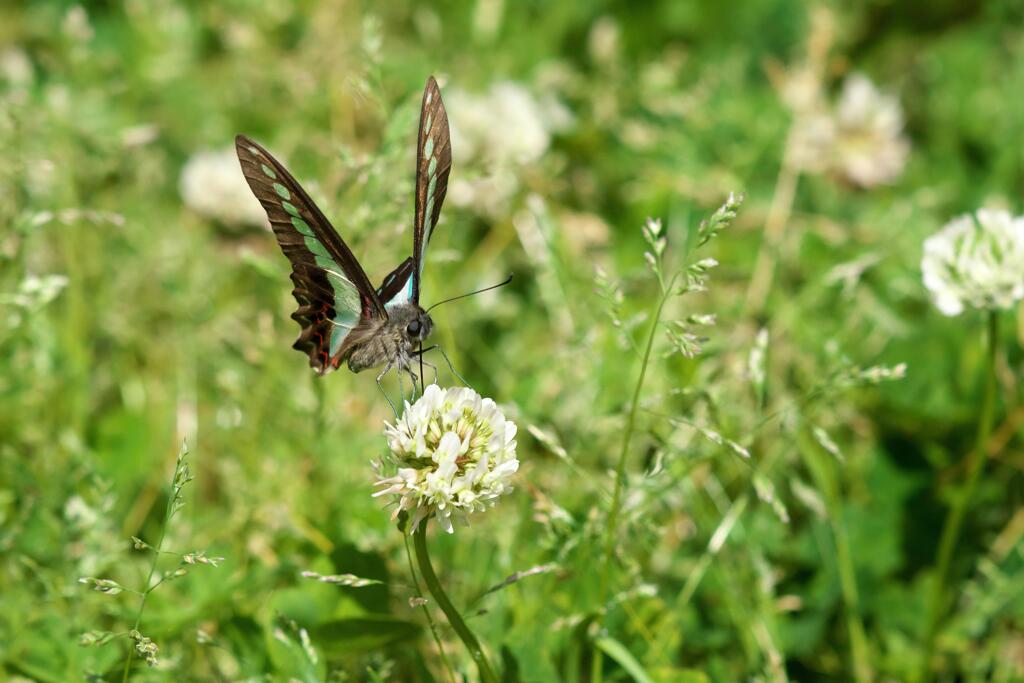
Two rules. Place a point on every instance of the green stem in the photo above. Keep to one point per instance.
(778, 216)
(596, 673)
(454, 618)
(142, 601)
(157, 551)
(954, 519)
(848, 585)
(824, 472)
(426, 612)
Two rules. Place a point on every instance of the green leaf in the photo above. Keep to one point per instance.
(349, 559)
(245, 637)
(670, 674)
(509, 666)
(618, 652)
(362, 634)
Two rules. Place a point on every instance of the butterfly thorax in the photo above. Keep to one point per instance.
(407, 326)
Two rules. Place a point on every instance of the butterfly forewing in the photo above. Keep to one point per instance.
(335, 297)
(433, 163)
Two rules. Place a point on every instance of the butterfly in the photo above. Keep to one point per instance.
(343, 318)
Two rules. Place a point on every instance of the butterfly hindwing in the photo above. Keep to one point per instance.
(397, 286)
(335, 296)
(433, 163)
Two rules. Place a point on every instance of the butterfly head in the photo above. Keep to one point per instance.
(419, 328)
(413, 322)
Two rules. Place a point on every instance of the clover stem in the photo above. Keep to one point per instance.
(975, 463)
(454, 618)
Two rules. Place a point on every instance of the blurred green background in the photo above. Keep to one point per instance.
(142, 303)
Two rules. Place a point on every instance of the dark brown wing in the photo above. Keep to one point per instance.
(335, 297)
(433, 163)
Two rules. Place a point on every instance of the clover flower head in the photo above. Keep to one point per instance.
(859, 138)
(506, 125)
(496, 133)
(870, 148)
(453, 453)
(213, 186)
(976, 260)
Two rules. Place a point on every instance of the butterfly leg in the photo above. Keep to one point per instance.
(380, 386)
(413, 376)
(452, 367)
(431, 366)
(420, 352)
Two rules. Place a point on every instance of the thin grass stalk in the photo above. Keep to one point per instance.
(851, 596)
(975, 462)
(778, 216)
(818, 44)
(822, 469)
(487, 674)
(157, 551)
(596, 673)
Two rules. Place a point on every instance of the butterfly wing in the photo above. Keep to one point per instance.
(397, 286)
(433, 163)
(337, 303)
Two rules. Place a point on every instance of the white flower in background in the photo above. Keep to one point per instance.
(213, 186)
(860, 138)
(604, 40)
(869, 146)
(76, 24)
(976, 260)
(503, 125)
(16, 68)
(455, 454)
(498, 132)
(488, 194)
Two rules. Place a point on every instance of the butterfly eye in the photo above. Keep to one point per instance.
(414, 328)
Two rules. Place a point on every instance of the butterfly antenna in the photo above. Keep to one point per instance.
(479, 291)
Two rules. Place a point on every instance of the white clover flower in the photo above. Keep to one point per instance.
(976, 260)
(870, 148)
(497, 132)
(487, 195)
(860, 138)
(213, 186)
(454, 453)
(504, 125)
